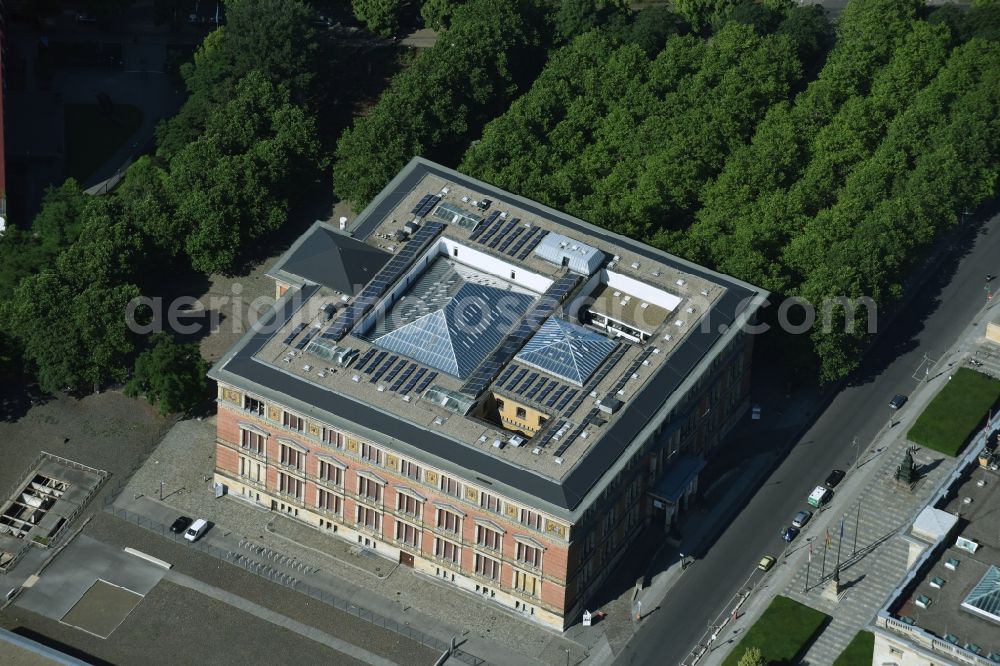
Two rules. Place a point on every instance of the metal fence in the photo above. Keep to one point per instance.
(264, 562)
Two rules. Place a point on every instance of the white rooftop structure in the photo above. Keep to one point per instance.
(565, 251)
(933, 525)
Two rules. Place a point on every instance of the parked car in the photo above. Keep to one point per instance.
(789, 533)
(197, 528)
(766, 563)
(180, 525)
(835, 477)
(801, 518)
(897, 401)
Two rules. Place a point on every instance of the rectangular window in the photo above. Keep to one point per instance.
(521, 413)
(447, 550)
(490, 502)
(369, 489)
(329, 501)
(250, 469)
(369, 518)
(526, 583)
(292, 457)
(253, 405)
(294, 422)
(451, 486)
(410, 470)
(488, 538)
(529, 555)
(289, 485)
(331, 473)
(407, 534)
(333, 438)
(499, 405)
(531, 519)
(409, 505)
(449, 521)
(487, 567)
(252, 441)
(372, 454)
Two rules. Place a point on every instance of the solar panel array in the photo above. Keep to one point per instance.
(425, 205)
(503, 232)
(496, 221)
(382, 281)
(567, 441)
(295, 331)
(490, 219)
(402, 373)
(542, 309)
(532, 243)
(632, 368)
(307, 338)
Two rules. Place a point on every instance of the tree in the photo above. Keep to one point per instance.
(281, 47)
(437, 13)
(651, 28)
(170, 374)
(491, 52)
(575, 17)
(58, 221)
(232, 185)
(752, 657)
(381, 16)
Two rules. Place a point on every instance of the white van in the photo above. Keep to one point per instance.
(197, 528)
(820, 496)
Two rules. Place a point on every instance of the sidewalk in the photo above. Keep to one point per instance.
(886, 512)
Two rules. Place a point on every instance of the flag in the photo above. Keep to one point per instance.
(810, 553)
(829, 537)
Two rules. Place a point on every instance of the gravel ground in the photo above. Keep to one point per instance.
(191, 562)
(175, 625)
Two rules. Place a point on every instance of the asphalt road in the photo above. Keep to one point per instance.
(933, 321)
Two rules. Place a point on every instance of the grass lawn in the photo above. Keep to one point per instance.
(781, 633)
(859, 651)
(955, 413)
(92, 137)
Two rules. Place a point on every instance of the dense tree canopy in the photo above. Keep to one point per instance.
(170, 374)
(276, 38)
(232, 184)
(812, 177)
(491, 50)
(380, 16)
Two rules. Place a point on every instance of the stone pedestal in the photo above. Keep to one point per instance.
(831, 591)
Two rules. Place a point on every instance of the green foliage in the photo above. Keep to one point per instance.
(751, 657)
(232, 185)
(281, 46)
(784, 629)
(956, 413)
(434, 106)
(170, 374)
(71, 331)
(651, 27)
(59, 220)
(859, 651)
(381, 16)
(437, 13)
(145, 199)
(575, 17)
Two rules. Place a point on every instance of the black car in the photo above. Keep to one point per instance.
(836, 476)
(789, 533)
(180, 525)
(897, 401)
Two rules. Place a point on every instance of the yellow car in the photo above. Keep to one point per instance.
(766, 563)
